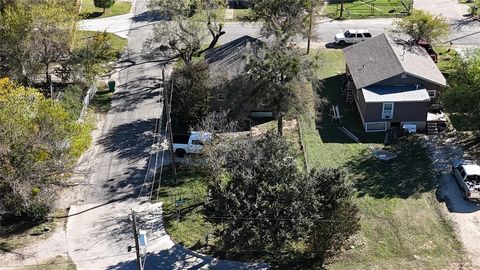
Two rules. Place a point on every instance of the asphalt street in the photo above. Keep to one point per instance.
(99, 231)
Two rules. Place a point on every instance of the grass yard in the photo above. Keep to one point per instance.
(191, 229)
(89, 11)
(57, 263)
(17, 234)
(102, 100)
(118, 44)
(238, 14)
(402, 226)
(358, 9)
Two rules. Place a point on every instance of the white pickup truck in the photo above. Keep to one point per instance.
(467, 174)
(191, 143)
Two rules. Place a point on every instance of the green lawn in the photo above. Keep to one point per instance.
(402, 226)
(118, 43)
(89, 11)
(358, 9)
(191, 229)
(102, 100)
(238, 14)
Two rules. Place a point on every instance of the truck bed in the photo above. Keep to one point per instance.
(181, 138)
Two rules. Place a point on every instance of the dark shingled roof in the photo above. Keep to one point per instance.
(231, 57)
(381, 58)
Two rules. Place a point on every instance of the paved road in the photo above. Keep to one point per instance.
(99, 231)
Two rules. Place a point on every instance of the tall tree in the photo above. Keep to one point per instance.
(463, 94)
(191, 94)
(35, 153)
(283, 19)
(52, 31)
(280, 75)
(422, 26)
(191, 20)
(266, 205)
(176, 39)
(35, 35)
(103, 4)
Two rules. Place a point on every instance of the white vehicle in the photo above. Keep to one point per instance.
(467, 174)
(352, 36)
(191, 143)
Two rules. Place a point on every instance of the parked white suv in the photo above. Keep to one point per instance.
(352, 36)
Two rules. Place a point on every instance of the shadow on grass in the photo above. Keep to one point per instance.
(331, 90)
(409, 174)
(102, 101)
(90, 15)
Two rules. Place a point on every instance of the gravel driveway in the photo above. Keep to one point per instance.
(464, 214)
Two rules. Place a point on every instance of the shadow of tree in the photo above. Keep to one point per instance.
(177, 257)
(146, 88)
(148, 16)
(409, 174)
(129, 141)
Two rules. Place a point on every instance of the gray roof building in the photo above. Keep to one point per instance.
(231, 58)
(381, 58)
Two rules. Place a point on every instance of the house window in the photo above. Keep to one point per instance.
(432, 93)
(387, 111)
(221, 97)
(403, 76)
(375, 126)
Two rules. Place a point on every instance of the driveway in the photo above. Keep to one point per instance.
(464, 214)
(450, 9)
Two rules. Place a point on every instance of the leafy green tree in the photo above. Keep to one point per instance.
(463, 94)
(15, 28)
(280, 75)
(35, 154)
(422, 26)
(191, 94)
(265, 204)
(283, 19)
(103, 4)
(89, 60)
(34, 35)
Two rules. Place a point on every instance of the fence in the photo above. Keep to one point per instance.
(86, 101)
(371, 8)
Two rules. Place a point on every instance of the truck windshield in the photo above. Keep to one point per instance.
(346, 34)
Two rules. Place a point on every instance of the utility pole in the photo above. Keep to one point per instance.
(168, 101)
(137, 246)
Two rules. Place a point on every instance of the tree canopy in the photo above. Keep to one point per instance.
(190, 23)
(282, 19)
(35, 149)
(103, 4)
(268, 206)
(463, 94)
(191, 94)
(422, 26)
(34, 35)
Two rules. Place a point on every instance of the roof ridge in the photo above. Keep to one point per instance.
(394, 53)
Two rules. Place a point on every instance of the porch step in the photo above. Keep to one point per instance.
(432, 128)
